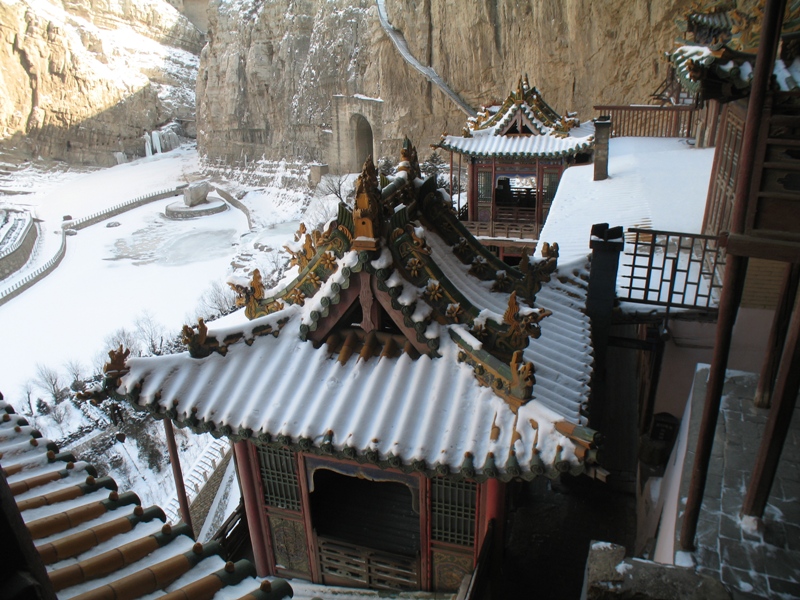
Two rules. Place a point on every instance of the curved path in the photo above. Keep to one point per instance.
(400, 43)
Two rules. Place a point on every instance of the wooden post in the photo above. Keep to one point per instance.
(494, 183)
(177, 475)
(472, 194)
(736, 268)
(494, 515)
(460, 186)
(494, 507)
(451, 176)
(732, 286)
(777, 336)
(258, 537)
(777, 427)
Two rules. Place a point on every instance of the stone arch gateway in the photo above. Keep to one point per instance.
(362, 138)
(357, 130)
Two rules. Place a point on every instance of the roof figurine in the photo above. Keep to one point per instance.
(366, 214)
(715, 58)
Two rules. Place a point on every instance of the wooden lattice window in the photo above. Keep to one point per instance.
(279, 477)
(719, 207)
(550, 178)
(453, 508)
(484, 186)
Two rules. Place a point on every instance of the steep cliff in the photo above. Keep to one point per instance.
(270, 71)
(83, 79)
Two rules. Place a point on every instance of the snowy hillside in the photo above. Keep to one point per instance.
(134, 279)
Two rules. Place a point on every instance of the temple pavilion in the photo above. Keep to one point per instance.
(515, 153)
(384, 394)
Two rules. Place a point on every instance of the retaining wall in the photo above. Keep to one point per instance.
(15, 259)
(23, 284)
(236, 204)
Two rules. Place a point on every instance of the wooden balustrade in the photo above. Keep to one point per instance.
(347, 564)
(650, 121)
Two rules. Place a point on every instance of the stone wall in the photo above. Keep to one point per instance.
(84, 79)
(18, 256)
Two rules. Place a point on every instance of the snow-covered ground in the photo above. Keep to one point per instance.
(145, 265)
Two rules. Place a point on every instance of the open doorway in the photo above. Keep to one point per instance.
(363, 141)
(368, 532)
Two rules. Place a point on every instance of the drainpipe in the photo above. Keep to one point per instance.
(602, 133)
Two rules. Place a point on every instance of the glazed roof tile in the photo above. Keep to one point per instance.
(423, 409)
(540, 131)
(110, 542)
(489, 143)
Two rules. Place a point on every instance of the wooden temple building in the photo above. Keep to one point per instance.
(384, 394)
(515, 154)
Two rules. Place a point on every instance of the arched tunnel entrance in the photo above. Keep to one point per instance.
(362, 132)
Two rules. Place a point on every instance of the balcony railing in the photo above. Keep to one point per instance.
(233, 534)
(676, 270)
(498, 229)
(342, 563)
(650, 121)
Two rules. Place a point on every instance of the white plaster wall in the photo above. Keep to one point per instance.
(693, 343)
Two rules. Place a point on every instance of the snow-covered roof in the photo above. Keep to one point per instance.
(653, 183)
(448, 388)
(524, 126)
(93, 538)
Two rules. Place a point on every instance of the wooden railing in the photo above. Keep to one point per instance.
(233, 533)
(650, 121)
(515, 214)
(495, 229)
(347, 564)
(676, 270)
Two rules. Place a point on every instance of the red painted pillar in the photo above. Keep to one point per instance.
(494, 508)
(250, 494)
(177, 474)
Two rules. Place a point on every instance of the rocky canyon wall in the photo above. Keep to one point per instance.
(271, 71)
(81, 80)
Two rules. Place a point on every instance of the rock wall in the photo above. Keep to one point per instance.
(270, 70)
(81, 80)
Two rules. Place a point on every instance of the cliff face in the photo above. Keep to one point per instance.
(82, 79)
(270, 70)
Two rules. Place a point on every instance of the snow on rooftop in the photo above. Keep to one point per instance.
(656, 183)
(429, 409)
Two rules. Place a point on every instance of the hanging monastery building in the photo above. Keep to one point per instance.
(381, 397)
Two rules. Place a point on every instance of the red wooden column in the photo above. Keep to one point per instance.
(308, 526)
(494, 502)
(177, 474)
(472, 191)
(736, 269)
(777, 427)
(251, 486)
(777, 335)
